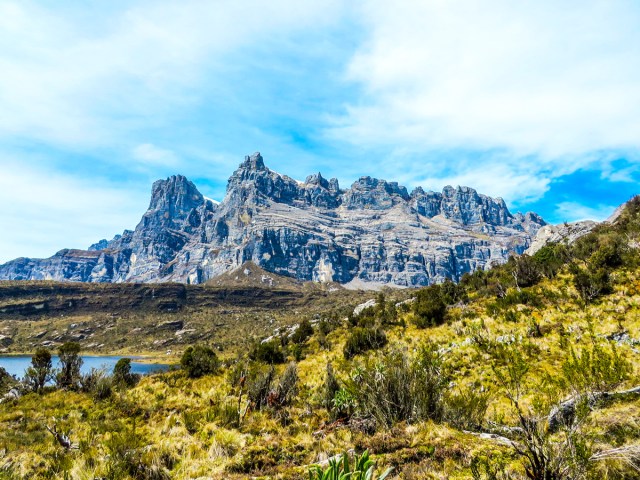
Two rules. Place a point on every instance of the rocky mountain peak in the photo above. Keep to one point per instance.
(371, 233)
(317, 179)
(253, 162)
(176, 195)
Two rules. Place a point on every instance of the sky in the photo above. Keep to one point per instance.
(535, 102)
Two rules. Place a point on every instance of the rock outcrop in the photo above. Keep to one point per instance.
(566, 232)
(373, 233)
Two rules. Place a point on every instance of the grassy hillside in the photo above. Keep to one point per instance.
(154, 319)
(526, 371)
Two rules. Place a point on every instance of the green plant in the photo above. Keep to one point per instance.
(199, 360)
(268, 352)
(595, 368)
(303, 332)
(122, 375)
(398, 388)
(362, 340)
(68, 376)
(40, 372)
(340, 468)
(97, 383)
(429, 308)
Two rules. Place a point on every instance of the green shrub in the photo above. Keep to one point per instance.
(40, 372)
(97, 383)
(363, 468)
(595, 368)
(70, 362)
(122, 375)
(591, 284)
(430, 306)
(268, 352)
(7, 382)
(303, 332)
(398, 388)
(362, 340)
(199, 360)
(330, 388)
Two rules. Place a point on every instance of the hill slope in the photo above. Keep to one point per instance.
(530, 370)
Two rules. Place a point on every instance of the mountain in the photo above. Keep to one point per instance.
(373, 233)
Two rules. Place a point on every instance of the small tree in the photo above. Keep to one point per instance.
(70, 362)
(429, 307)
(199, 360)
(267, 352)
(40, 371)
(122, 373)
(303, 332)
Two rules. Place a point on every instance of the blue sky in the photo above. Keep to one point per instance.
(532, 101)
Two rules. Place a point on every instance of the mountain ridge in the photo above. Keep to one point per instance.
(373, 232)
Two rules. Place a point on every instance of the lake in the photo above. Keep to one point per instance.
(16, 365)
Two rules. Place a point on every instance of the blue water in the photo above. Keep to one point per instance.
(16, 365)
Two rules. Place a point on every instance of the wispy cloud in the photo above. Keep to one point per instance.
(573, 212)
(53, 211)
(506, 97)
(150, 155)
(541, 81)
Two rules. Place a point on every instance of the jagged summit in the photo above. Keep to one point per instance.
(374, 232)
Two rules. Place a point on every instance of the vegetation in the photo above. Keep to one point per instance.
(198, 361)
(40, 372)
(70, 362)
(528, 370)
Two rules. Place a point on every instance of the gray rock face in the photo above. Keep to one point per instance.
(373, 233)
(568, 232)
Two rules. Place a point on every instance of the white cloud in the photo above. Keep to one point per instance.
(558, 82)
(51, 211)
(81, 77)
(573, 211)
(151, 155)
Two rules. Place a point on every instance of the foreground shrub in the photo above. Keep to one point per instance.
(397, 388)
(363, 468)
(595, 369)
(268, 352)
(122, 375)
(70, 362)
(7, 382)
(303, 332)
(429, 307)
(590, 283)
(362, 340)
(40, 372)
(199, 360)
(98, 383)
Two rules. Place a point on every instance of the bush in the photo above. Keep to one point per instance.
(97, 383)
(595, 369)
(268, 352)
(525, 270)
(591, 284)
(287, 388)
(122, 375)
(199, 360)
(363, 468)
(551, 258)
(398, 388)
(302, 333)
(7, 382)
(467, 408)
(330, 388)
(40, 372)
(362, 340)
(70, 362)
(430, 307)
